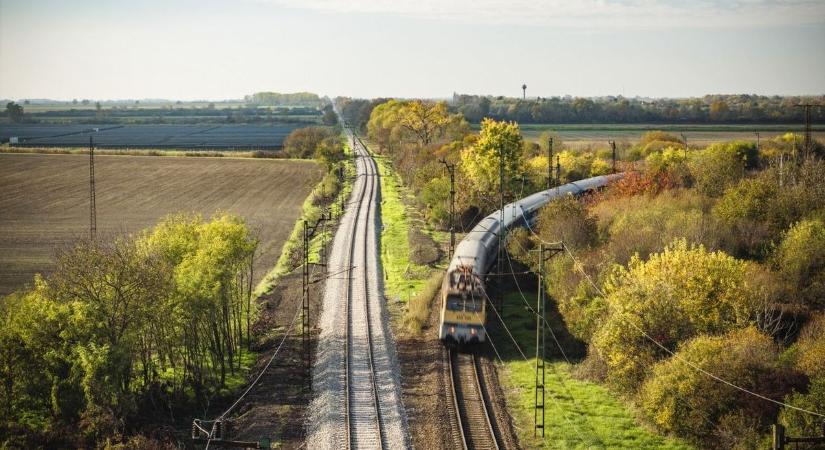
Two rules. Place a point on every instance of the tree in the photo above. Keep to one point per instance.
(14, 111)
(303, 142)
(424, 120)
(673, 296)
(498, 143)
(329, 118)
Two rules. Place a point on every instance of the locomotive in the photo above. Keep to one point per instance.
(463, 296)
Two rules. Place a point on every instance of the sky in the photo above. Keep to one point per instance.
(212, 49)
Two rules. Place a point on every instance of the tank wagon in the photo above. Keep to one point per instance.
(463, 305)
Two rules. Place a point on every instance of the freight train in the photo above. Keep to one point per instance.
(463, 306)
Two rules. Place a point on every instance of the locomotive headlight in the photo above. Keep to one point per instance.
(473, 331)
(452, 330)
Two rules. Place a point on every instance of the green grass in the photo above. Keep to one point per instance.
(404, 279)
(580, 414)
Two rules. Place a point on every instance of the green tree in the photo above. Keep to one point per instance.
(499, 143)
(14, 112)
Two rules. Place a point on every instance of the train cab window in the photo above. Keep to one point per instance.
(457, 303)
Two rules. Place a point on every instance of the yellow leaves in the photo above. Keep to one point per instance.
(498, 141)
(674, 295)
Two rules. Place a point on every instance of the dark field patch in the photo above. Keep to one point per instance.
(44, 201)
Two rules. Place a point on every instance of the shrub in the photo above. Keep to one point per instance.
(681, 400)
(800, 262)
(800, 423)
(675, 295)
(721, 165)
(567, 219)
(645, 224)
(809, 350)
(436, 198)
(744, 209)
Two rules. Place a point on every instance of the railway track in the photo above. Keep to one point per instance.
(474, 429)
(363, 401)
(356, 387)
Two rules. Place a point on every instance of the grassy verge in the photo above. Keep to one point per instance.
(579, 414)
(313, 206)
(406, 283)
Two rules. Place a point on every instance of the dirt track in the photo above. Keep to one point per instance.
(44, 201)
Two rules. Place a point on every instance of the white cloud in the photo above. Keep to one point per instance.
(586, 14)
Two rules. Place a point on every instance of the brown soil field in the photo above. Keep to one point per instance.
(44, 201)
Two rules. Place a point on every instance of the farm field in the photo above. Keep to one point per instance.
(598, 134)
(44, 201)
(152, 136)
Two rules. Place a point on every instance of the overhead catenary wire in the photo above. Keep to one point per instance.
(579, 267)
(677, 397)
(515, 343)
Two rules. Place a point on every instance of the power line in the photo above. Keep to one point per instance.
(674, 355)
(92, 196)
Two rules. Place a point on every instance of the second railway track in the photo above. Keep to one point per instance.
(474, 427)
(363, 402)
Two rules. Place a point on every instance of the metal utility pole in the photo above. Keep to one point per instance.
(558, 174)
(807, 149)
(538, 405)
(545, 253)
(613, 150)
(550, 164)
(780, 440)
(92, 197)
(501, 218)
(451, 170)
(305, 330)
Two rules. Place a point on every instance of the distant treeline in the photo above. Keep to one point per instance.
(278, 99)
(707, 109)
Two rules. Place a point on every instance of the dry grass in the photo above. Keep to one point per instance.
(44, 201)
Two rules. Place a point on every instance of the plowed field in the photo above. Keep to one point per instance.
(44, 201)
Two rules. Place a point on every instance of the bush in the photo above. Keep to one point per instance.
(436, 198)
(645, 224)
(722, 165)
(809, 350)
(674, 296)
(800, 261)
(681, 400)
(800, 423)
(745, 210)
(567, 219)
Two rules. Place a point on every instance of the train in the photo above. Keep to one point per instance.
(463, 294)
